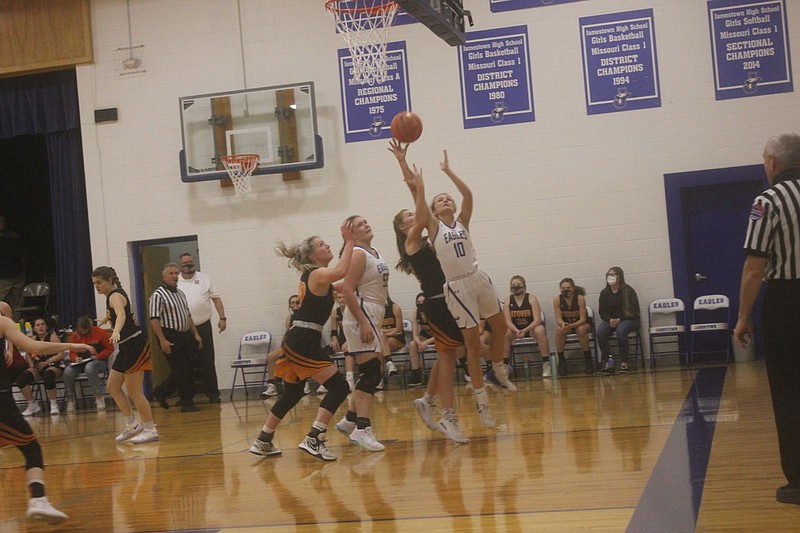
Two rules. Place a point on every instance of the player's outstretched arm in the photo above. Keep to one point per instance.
(466, 193)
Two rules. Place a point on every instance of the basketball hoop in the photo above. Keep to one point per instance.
(240, 167)
(365, 24)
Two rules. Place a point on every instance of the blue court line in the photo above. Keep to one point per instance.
(671, 500)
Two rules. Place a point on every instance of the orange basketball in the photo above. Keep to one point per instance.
(406, 127)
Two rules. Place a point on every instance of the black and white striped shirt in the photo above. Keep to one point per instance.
(774, 228)
(170, 307)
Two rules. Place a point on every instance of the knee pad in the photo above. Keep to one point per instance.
(33, 455)
(370, 376)
(338, 389)
(292, 393)
(49, 378)
(25, 379)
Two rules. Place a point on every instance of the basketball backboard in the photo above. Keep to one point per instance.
(277, 123)
(445, 18)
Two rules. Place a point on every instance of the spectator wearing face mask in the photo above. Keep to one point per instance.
(524, 319)
(619, 311)
(571, 318)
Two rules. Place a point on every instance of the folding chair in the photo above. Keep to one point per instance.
(711, 317)
(667, 319)
(35, 299)
(252, 359)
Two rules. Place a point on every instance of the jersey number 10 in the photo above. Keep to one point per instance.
(459, 247)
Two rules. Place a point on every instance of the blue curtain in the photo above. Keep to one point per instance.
(71, 240)
(48, 104)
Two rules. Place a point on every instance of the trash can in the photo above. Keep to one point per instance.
(741, 355)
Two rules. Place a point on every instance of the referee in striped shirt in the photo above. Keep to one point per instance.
(772, 247)
(173, 325)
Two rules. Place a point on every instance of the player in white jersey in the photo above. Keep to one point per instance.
(469, 292)
(365, 290)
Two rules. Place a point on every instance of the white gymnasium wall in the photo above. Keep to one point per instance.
(567, 195)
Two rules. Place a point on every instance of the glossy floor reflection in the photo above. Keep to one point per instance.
(677, 450)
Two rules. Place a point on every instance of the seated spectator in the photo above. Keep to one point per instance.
(421, 339)
(619, 311)
(92, 366)
(570, 309)
(47, 367)
(394, 337)
(524, 319)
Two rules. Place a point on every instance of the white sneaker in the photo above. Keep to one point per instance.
(100, 404)
(425, 411)
(54, 411)
(130, 431)
(346, 427)
(148, 435)
(391, 369)
(322, 390)
(501, 373)
(451, 429)
(351, 382)
(71, 407)
(317, 448)
(307, 388)
(485, 414)
(32, 409)
(366, 439)
(271, 390)
(264, 449)
(546, 370)
(379, 386)
(42, 509)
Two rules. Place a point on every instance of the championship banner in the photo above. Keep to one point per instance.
(495, 72)
(497, 6)
(620, 66)
(750, 48)
(368, 109)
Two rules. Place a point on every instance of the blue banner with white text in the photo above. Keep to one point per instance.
(620, 65)
(495, 72)
(508, 5)
(368, 109)
(750, 48)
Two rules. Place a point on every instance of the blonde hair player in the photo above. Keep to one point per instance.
(365, 289)
(469, 292)
(303, 356)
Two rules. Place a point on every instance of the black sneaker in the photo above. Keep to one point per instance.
(788, 494)
(623, 368)
(161, 398)
(562, 366)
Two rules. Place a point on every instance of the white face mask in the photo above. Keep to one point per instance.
(611, 280)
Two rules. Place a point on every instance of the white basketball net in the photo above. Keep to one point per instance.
(240, 167)
(365, 24)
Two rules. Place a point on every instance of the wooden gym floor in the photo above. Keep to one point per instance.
(675, 450)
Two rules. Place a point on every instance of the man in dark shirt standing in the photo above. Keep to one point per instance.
(12, 266)
(772, 246)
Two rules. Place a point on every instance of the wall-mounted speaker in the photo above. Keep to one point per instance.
(105, 115)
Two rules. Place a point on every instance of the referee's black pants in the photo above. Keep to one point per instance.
(184, 349)
(207, 361)
(780, 318)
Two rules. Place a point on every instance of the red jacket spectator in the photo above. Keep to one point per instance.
(95, 337)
